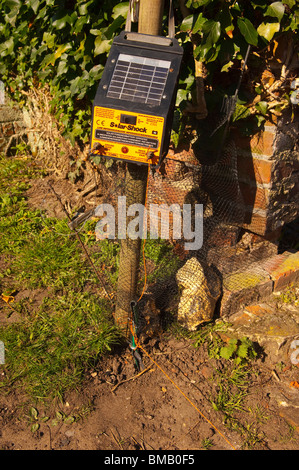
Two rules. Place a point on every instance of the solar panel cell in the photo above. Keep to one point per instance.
(139, 79)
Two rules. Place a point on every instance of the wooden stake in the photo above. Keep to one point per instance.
(150, 22)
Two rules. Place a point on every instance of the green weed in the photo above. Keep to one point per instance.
(48, 352)
(239, 350)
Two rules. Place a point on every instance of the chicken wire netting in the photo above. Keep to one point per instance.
(170, 282)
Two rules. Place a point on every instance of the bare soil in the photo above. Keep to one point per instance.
(117, 409)
(167, 407)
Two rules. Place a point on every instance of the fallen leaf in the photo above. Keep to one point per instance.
(294, 384)
(7, 298)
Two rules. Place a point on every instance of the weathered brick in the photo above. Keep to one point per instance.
(233, 301)
(283, 269)
(254, 196)
(261, 143)
(243, 288)
(255, 169)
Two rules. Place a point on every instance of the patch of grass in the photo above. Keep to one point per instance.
(39, 256)
(232, 383)
(207, 443)
(48, 352)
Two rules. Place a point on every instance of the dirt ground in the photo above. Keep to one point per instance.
(119, 410)
(167, 407)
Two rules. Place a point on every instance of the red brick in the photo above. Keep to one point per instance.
(261, 143)
(257, 223)
(253, 196)
(255, 169)
(283, 269)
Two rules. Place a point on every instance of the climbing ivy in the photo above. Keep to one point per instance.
(220, 33)
(64, 44)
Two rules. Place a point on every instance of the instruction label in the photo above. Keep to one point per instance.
(126, 135)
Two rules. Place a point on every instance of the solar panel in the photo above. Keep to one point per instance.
(139, 79)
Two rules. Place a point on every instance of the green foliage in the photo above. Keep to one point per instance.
(64, 44)
(239, 350)
(225, 28)
(61, 43)
(220, 32)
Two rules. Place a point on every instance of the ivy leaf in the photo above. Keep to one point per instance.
(200, 21)
(34, 5)
(197, 3)
(213, 28)
(61, 49)
(49, 39)
(84, 7)
(96, 72)
(116, 24)
(290, 3)
(13, 5)
(262, 106)
(181, 96)
(227, 66)
(275, 10)
(267, 30)
(120, 10)
(187, 23)
(60, 20)
(6, 48)
(248, 31)
(79, 25)
(101, 45)
(62, 68)
(241, 112)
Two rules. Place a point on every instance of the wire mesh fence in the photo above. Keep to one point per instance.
(175, 267)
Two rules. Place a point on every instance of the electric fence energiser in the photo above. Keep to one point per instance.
(134, 104)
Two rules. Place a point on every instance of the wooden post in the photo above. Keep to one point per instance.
(150, 22)
(150, 17)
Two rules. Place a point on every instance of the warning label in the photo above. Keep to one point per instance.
(129, 139)
(126, 135)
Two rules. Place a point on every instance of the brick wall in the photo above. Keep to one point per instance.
(268, 175)
(268, 168)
